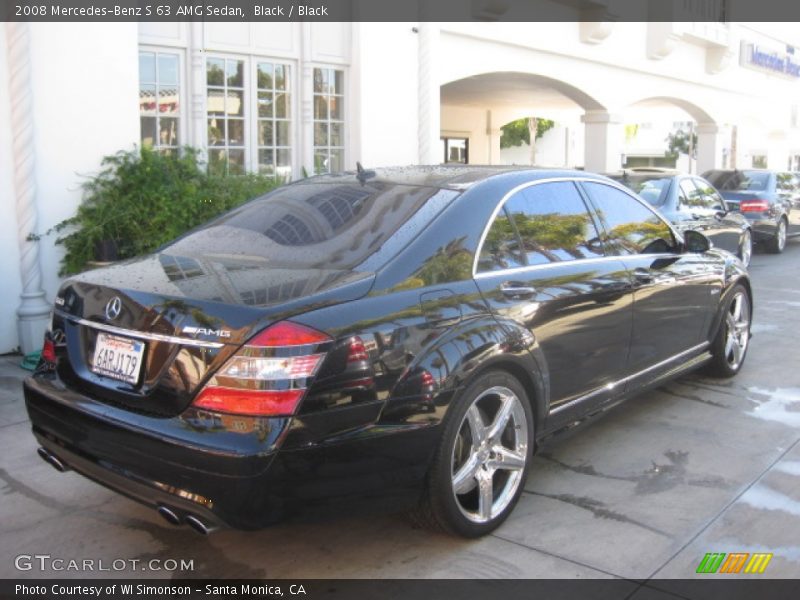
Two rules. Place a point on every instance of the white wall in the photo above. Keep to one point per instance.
(85, 89)
(386, 63)
(9, 265)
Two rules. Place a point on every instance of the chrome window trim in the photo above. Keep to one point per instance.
(624, 380)
(590, 208)
(141, 335)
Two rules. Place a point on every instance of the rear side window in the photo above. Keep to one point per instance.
(317, 225)
(539, 225)
(653, 190)
(630, 226)
(711, 196)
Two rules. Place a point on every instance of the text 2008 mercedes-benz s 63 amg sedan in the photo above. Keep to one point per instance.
(399, 338)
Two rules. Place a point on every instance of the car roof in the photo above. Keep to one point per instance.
(455, 177)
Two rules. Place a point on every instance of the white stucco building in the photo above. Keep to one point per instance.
(299, 97)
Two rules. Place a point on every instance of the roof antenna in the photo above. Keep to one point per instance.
(362, 174)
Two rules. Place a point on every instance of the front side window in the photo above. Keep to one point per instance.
(630, 226)
(225, 105)
(328, 120)
(159, 100)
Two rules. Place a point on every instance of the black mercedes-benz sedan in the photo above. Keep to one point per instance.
(397, 338)
(691, 202)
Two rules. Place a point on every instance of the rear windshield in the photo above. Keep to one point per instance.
(738, 181)
(319, 225)
(652, 189)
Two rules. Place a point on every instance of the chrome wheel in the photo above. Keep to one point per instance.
(737, 325)
(489, 454)
(780, 236)
(746, 252)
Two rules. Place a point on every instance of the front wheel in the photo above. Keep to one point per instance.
(733, 338)
(482, 460)
(777, 243)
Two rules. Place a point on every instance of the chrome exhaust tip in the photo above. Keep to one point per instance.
(52, 460)
(169, 515)
(198, 525)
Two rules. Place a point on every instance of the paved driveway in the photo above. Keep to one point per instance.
(697, 466)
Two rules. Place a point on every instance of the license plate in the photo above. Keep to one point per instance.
(118, 357)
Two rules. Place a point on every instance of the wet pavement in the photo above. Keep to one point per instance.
(645, 491)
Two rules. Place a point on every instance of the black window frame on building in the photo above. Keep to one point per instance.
(446, 150)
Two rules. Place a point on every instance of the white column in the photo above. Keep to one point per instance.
(603, 147)
(198, 129)
(429, 104)
(493, 134)
(306, 153)
(778, 151)
(709, 147)
(33, 311)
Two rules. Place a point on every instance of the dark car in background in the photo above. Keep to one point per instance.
(691, 202)
(768, 199)
(396, 338)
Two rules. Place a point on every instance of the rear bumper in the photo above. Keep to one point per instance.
(763, 228)
(226, 474)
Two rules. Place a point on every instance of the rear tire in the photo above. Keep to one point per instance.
(777, 243)
(729, 347)
(482, 460)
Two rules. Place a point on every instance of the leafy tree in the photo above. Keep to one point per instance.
(678, 143)
(517, 132)
(143, 198)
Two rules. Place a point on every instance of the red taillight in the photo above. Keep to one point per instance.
(357, 351)
(287, 333)
(753, 206)
(48, 350)
(249, 402)
(269, 375)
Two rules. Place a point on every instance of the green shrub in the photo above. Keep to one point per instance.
(142, 199)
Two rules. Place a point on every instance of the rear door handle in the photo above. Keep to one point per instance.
(514, 289)
(642, 276)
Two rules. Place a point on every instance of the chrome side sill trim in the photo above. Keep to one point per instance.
(610, 386)
(141, 335)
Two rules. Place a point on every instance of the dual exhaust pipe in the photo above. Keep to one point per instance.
(169, 515)
(196, 523)
(52, 460)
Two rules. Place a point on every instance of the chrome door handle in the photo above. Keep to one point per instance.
(642, 276)
(516, 290)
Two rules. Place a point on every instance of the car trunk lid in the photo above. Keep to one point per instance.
(147, 334)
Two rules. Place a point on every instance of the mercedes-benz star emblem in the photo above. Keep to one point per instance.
(113, 308)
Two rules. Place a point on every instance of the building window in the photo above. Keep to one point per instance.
(455, 150)
(226, 126)
(328, 120)
(274, 119)
(159, 100)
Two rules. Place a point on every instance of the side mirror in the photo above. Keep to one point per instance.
(696, 242)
